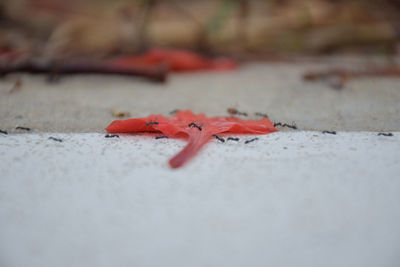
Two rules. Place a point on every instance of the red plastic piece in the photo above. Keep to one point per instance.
(177, 60)
(198, 134)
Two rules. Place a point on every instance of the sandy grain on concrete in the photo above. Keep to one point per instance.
(84, 103)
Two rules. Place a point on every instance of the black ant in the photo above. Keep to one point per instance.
(161, 136)
(3, 132)
(329, 132)
(385, 134)
(192, 124)
(111, 135)
(261, 114)
(151, 123)
(291, 126)
(251, 140)
(174, 111)
(23, 128)
(233, 139)
(219, 138)
(55, 139)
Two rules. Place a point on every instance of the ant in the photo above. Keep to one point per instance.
(111, 135)
(151, 123)
(192, 124)
(234, 111)
(22, 128)
(219, 138)
(174, 111)
(329, 132)
(161, 136)
(233, 139)
(3, 132)
(261, 114)
(291, 126)
(55, 139)
(385, 134)
(251, 140)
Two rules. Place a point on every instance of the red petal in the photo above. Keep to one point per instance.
(177, 126)
(197, 139)
(177, 60)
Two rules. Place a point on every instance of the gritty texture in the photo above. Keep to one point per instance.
(86, 103)
(287, 199)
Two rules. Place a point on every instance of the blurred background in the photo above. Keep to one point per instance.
(279, 56)
(242, 28)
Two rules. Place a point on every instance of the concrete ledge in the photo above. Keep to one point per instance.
(289, 199)
(84, 103)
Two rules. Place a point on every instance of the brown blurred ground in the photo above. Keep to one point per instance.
(56, 28)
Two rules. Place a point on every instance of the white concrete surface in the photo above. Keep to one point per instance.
(325, 200)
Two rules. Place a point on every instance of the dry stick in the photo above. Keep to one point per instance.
(156, 73)
(345, 75)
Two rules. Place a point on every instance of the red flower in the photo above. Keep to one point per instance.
(198, 129)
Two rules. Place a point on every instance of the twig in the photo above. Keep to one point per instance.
(156, 73)
(344, 75)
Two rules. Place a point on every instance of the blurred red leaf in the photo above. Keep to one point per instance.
(177, 60)
(198, 129)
